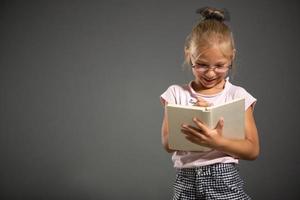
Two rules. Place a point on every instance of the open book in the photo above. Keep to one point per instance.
(233, 113)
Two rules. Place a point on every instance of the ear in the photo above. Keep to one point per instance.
(187, 56)
(233, 54)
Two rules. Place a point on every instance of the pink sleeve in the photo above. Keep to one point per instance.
(249, 99)
(168, 96)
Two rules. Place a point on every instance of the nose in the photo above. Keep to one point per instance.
(210, 73)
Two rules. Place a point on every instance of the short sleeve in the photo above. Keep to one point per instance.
(249, 99)
(168, 96)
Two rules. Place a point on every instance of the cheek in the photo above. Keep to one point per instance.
(220, 75)
(223, 76)
(195, 74)
(198, 75)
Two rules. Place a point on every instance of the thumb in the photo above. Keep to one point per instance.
(220, 125)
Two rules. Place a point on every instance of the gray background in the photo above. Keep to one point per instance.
(80, 85)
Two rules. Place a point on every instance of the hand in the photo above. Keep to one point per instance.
(203, 135)
(202, 103)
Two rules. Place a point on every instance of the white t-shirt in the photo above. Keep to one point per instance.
(185, 95)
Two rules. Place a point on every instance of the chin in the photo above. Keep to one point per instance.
(209, 84)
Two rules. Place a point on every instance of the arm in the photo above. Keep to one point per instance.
(247, 149)
(165, 133)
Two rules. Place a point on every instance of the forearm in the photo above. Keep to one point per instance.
(242, 149)
(165, 142)
(248, 148)
(165, 134)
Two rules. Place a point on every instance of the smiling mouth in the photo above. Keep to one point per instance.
(209, 80)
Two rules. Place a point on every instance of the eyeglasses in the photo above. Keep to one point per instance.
(218, 69)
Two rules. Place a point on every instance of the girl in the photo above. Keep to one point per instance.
(210, 52)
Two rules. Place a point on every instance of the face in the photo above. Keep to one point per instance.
(210, 68)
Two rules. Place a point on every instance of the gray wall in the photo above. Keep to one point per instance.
(80, 82)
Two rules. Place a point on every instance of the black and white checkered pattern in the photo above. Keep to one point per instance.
(217, 181)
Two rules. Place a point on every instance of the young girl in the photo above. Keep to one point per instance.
(210, 52)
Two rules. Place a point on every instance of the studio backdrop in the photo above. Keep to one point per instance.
(80, 116)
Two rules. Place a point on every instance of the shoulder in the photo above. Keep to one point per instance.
(236, 92)
(178, 88)
(175, 93)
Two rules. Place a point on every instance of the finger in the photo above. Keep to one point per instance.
(202, 103)
(220, 125)
(200, 124)
(192, 132)
(197, 129)
(195, 140)
(191, 136)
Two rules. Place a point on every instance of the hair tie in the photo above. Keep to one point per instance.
(213, 13)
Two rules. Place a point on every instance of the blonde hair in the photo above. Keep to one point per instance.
(209, 31)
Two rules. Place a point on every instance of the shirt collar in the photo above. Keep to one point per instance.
(196, 94)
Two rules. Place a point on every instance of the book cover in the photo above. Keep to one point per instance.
(233, 113)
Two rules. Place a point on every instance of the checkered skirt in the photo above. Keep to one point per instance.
(217, 181)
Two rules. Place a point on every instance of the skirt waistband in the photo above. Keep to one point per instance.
(208, 169)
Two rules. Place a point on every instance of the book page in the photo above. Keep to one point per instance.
(176, 117)
(234, 119)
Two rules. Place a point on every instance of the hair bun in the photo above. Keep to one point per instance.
(213, 13)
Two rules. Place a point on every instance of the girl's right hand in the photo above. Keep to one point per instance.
(202, 103)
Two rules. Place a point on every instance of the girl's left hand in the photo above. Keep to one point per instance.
(203, 135)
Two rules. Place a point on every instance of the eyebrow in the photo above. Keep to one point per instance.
(224, 61)
(217, 63)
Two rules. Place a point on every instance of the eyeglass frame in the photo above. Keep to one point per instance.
(202, 69)
(208, 67)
